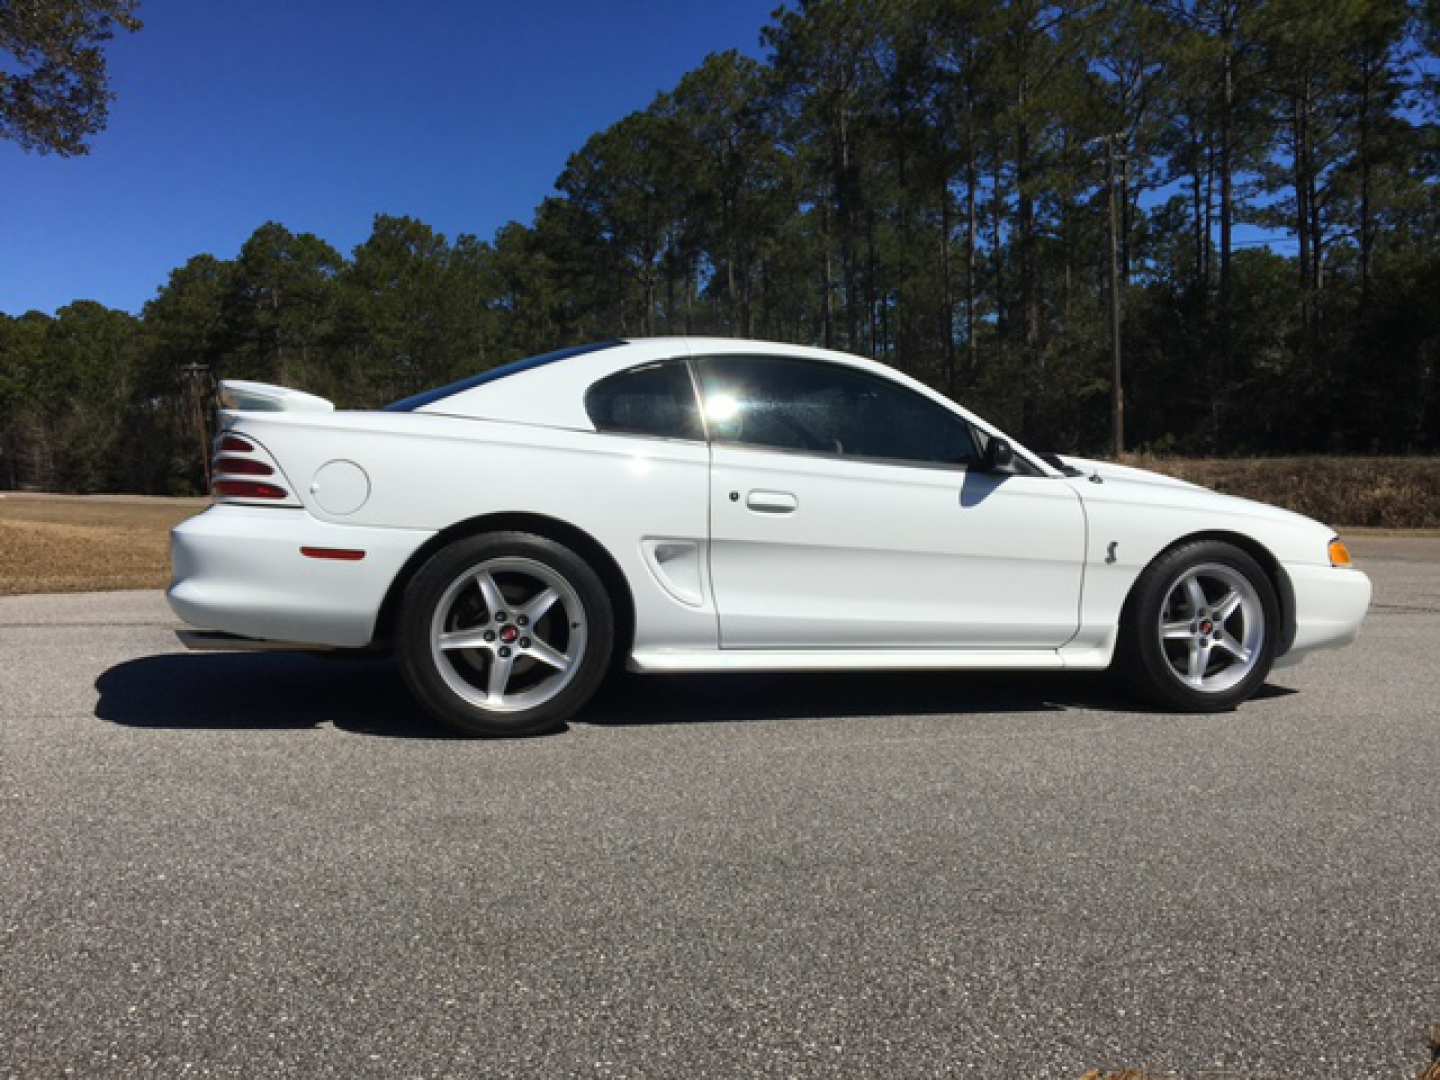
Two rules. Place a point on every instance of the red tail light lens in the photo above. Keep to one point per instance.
(243, 466)
(241, 456)
(246, 489)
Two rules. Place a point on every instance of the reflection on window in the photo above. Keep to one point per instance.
(721, 408)
(824, 408)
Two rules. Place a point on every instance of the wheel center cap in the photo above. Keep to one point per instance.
(509, 634)
(1205, 628)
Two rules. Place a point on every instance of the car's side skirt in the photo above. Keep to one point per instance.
(661, 661)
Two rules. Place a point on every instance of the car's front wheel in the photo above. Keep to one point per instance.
(505, 633)
(1201, 628)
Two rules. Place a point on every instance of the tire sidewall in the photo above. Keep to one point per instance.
(1148, 667)
(425, 591)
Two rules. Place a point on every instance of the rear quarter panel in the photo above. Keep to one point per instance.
(430, 472)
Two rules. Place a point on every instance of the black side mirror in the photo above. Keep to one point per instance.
(998, 455)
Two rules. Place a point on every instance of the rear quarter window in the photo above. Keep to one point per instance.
(655, 399)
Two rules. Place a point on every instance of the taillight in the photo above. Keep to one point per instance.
(239, 457)
(246, 489)
(243, 466)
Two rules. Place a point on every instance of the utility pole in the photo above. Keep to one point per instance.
(197, 377)
(1117, 391)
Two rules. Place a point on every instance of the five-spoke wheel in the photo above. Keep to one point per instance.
(1212, 627)
(505, 633)
(508, 634)
(1200, 628)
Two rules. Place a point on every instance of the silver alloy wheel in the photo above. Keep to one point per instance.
(508, 634)
(1212, 627)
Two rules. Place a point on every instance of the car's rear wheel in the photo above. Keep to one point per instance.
(505, 633)
(1200, 630)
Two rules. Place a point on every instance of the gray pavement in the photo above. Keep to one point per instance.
(234, 865)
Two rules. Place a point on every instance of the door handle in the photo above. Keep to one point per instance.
(772, 502)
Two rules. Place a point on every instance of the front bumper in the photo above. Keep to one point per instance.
(239, 569)
(1330, 604)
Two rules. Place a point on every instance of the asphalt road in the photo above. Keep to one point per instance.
(238, 865)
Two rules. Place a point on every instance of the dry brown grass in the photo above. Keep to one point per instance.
(63, 543)
(1380, 492)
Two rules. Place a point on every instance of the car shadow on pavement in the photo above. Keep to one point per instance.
(689, 699)
(365, 695)
(262, 691)
(697, 699)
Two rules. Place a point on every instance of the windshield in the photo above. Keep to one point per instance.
(429, 397)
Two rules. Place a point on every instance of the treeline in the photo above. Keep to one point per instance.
(922, 181)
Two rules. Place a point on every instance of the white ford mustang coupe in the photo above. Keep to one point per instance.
(690, 504)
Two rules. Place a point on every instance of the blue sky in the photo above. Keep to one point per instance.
(321, 113)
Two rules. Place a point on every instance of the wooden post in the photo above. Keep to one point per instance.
(196, 376)
(1117, 392)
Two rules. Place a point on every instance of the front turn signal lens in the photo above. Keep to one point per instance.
(1340, 554)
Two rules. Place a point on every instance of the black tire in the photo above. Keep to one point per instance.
(1141, 657)
(436, 690)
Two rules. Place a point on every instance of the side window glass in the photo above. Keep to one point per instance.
(653, 399)
(815, 407)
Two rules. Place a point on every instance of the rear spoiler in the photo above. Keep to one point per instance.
(238, 395)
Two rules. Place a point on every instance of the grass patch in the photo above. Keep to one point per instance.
(1378, 492)
(61, 543)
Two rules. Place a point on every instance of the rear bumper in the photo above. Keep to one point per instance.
(239, 569)
(1330, 604)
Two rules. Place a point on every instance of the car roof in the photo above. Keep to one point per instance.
(552, 390)
(552, 394)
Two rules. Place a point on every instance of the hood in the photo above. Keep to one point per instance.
(1141, 487)
(1109, 470)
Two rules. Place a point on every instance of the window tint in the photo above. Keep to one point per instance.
(823, 408)
(653, 399)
